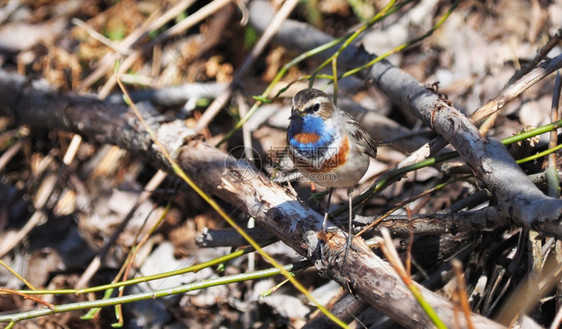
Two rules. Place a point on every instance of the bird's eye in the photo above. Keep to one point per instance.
(315, 107)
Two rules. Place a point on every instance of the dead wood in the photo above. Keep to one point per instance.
(280, 212)
(518, 198)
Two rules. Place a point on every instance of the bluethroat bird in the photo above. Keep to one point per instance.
(328, 145)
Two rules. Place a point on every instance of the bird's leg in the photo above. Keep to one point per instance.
(327, 210)
(325, 221)
(350, 224)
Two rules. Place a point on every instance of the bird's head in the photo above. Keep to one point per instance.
(312, 102)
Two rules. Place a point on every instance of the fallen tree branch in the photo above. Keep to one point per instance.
(518, 198)
(173, 95)
(485, 219)
(272, 205)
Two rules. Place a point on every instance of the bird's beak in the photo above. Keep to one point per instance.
(294, 114)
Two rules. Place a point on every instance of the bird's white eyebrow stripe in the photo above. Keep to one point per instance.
(319, 100)
(310, 108)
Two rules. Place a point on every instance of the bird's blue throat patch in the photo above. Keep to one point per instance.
(310, 136)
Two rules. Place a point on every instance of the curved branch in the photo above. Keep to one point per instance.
(518, 198)
(272, 205)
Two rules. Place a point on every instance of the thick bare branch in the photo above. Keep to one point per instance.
(174, 95)
(518, 198)
(270, 204)
(484, 219)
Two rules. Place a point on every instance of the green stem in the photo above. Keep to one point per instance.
(540, 154)
(263, 97)
(354, 36)
(405, 44)
(151, 295)
(532, 133)
(426, 307)
(193, 268)
(393, 175)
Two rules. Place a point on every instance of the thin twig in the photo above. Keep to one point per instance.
(100, 37)
(541, 54)
(26, 296)
(392, 256)
(16, 274)
(154, 22)
(461, 289)
(552, 172)
(151, 294)
(95, 264)
(516, 88)
(175, 30)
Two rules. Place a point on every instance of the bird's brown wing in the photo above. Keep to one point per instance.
(361, 135)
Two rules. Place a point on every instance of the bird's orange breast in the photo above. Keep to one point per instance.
(339, 159)
(306, 138)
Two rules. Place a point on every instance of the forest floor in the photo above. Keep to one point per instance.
(73, 210)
